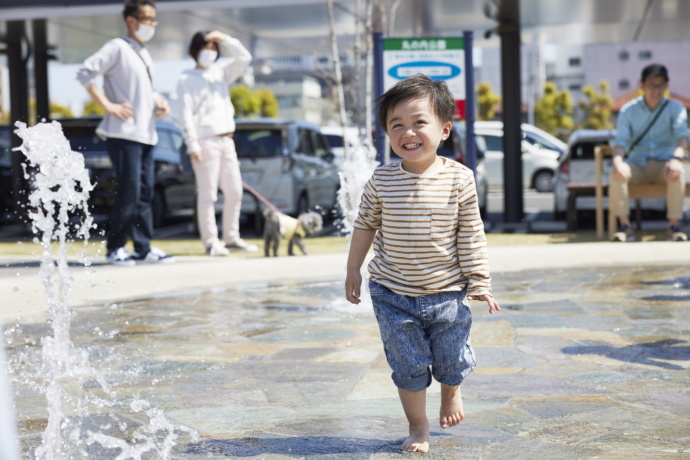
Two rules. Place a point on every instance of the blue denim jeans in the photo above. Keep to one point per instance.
(424, 336)
(132, 214)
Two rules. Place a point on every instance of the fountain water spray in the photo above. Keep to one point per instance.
(357, 168)
(9, 448)
(75, 391)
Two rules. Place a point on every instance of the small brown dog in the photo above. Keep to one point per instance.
(279, 226)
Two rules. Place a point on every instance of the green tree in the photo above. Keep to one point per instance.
(91, 108)
(269, 102)
(60, 111)
(597, 107)
(553, 112)
(56, 111)
(245, 102)
(486, 101)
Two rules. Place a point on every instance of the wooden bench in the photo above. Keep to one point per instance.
(599, 190)
(636, 192)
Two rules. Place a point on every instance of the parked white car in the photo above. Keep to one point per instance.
(336, 140)
(539, 163)
(535, 136)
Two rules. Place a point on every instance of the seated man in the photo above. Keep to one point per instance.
(653, 131)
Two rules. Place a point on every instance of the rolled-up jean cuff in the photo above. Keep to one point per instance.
(414, 383)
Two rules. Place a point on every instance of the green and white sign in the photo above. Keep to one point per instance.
(437, 58)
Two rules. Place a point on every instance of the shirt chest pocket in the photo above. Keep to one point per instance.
(433, 223)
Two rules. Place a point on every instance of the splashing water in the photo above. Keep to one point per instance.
(75, 391)
(356, 170)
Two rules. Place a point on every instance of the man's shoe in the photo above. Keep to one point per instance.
(121, 257)
(624, 234)
(217, 250)
(154, 256)
(674, 234)
(242, 245)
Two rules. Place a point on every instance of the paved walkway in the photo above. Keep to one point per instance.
(264, 359)
(23, 294)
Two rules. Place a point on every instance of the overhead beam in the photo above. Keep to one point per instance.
(43, 9)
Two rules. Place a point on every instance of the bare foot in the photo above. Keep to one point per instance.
(451, 406)
(419, 439)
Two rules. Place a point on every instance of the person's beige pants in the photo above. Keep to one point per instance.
(218, 164)
(653, 173)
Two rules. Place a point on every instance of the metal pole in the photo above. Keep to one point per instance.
(378, 67)
(509, 29)
(19, 106)
(41, 69)
(470, 146)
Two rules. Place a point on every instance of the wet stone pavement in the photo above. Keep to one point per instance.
(581, 363)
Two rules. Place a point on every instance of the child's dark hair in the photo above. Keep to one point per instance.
(198, 42)
(418, 87)
(132, 7)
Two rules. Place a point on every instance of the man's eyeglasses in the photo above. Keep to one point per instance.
(147, 20)
(656, 87)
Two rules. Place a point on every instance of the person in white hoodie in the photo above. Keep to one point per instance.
(207, 119)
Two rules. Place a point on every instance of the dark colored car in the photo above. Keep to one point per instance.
(174, 184)
(6, 201)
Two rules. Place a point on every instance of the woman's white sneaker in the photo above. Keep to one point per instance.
(242, 245)
(217, 250)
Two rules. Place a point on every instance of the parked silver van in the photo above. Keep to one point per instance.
(288, 163)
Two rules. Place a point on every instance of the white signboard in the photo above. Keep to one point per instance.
(437, 58)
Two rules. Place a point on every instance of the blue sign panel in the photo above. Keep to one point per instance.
(432, 69)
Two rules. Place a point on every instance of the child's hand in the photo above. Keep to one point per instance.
(353, 284)
(489, 299)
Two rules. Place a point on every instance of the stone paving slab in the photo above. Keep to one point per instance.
(598, 367)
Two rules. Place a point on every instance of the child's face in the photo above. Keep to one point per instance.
(415, 134)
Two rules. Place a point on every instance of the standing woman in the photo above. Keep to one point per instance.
(208, 124)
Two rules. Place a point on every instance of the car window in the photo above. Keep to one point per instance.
(5, 145)
(585, 150)
(165, 141)
(334, 140)
(84, 140)
(493, 143)
(304, 142)
(177, 140)
(540, 142)
(261, 143)
(320, 145)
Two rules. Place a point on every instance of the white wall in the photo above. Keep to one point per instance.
(606, 62)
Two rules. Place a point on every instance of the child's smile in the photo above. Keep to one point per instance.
(415, 134)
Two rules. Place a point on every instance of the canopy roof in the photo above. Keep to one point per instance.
(291, 27)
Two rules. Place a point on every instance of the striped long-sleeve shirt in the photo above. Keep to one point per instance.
(430, 236)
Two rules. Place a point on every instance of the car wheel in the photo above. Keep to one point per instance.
(158, 208)
(543, 181)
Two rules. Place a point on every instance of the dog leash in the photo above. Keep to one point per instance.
(261, 198)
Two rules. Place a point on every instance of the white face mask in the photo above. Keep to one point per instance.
(144, 33)
(206, 58)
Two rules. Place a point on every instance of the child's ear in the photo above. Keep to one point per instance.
(446, 129)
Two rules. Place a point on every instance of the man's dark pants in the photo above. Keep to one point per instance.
(132, 214)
